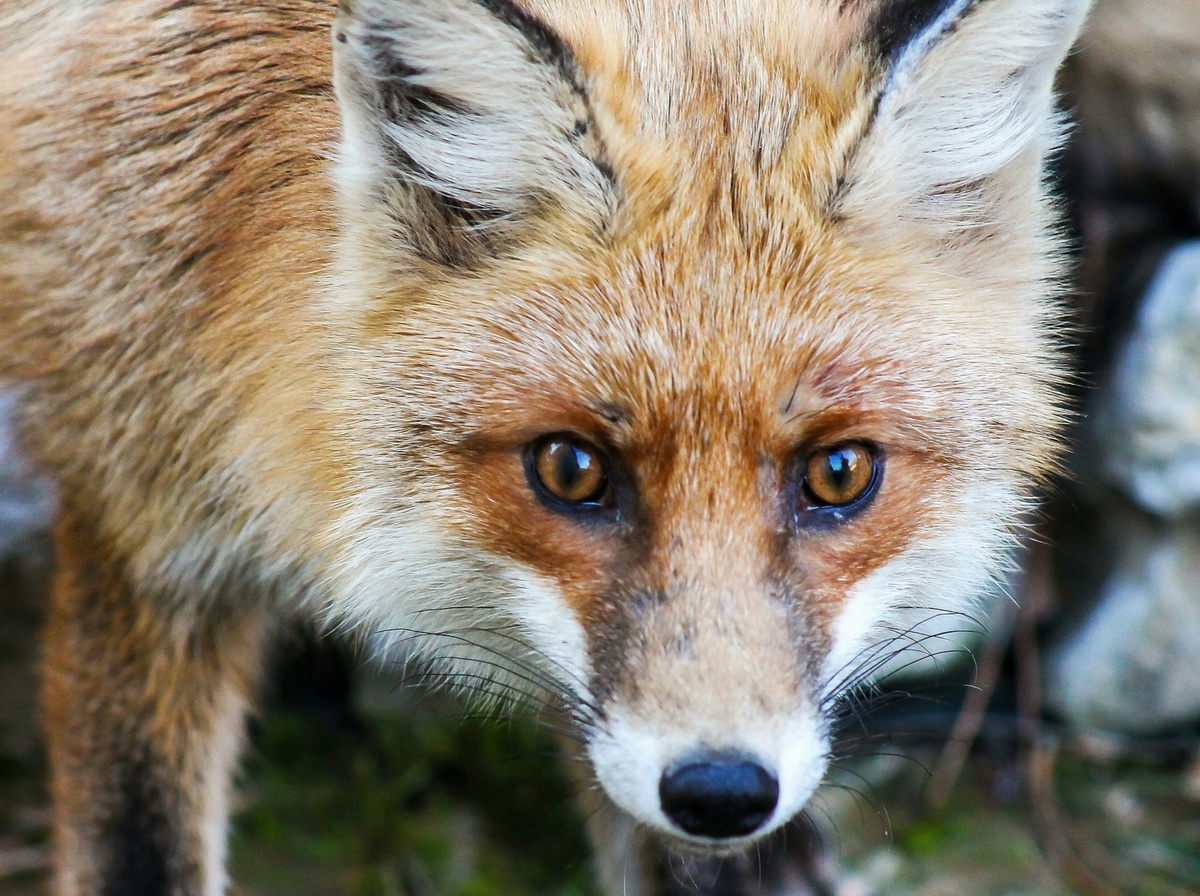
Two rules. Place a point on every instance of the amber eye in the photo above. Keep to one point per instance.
(839, 476)
(569, 470)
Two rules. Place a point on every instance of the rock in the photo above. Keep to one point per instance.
(27, 500)
(1134, 664)
(26, 513)
(1136, 81)
(1146, 428)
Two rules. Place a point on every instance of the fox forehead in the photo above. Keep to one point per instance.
(724, 277)
(670, 60)
(714, 345)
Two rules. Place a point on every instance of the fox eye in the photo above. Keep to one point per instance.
(841, 476)
(569, 470)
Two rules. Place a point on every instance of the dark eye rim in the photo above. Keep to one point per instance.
(811, 511)
(604, 503)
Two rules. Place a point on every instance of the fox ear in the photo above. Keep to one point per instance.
(965, 108)
(461, 121)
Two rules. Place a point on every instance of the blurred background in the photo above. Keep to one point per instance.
(1059, 753)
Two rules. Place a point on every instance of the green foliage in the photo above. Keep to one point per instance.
(434, 806)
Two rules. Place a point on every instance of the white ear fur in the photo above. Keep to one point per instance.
(464, 108)
(968, 98)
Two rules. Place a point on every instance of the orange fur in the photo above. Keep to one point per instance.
(282, 350)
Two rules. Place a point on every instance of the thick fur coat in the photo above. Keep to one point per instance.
(293, 298)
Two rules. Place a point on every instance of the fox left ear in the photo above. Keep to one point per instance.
(463, 123)
(965, 108)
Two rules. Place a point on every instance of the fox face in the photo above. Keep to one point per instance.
(673, 362)
(712, 350)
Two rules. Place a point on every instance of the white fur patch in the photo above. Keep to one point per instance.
(968, 97)
(492, 626)
(631, 754)
(552, 628)
(932, 587)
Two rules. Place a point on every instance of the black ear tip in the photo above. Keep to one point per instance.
(897, 23)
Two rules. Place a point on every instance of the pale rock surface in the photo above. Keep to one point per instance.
(1147, 426)
(1133, 665)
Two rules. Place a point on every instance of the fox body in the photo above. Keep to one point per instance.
(670, 359)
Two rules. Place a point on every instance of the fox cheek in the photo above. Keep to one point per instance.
(557, 635)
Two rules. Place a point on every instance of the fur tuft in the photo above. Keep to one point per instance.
(465, 118)
(965, 116)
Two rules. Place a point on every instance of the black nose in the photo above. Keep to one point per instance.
(718, 795)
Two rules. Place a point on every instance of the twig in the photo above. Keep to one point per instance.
(23, 860)
(1051, 830)
(971, 717)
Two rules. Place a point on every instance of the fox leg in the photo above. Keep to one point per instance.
(145, 706)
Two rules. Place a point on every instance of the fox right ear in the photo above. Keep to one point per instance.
(462, 120)
(965, 100)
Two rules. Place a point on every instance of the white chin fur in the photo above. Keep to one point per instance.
(630, 755)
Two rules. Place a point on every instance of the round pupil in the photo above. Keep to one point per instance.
(570, 472)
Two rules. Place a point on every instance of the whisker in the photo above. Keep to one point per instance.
(532, 674)
(509, 623)
(456, 635)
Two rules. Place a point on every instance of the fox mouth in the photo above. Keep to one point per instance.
(688, 847)
(705, 796)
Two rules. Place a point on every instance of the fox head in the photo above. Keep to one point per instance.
(702, 349)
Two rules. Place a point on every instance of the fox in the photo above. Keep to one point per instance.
(667, 361)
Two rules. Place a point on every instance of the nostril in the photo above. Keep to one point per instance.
(718, 795)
